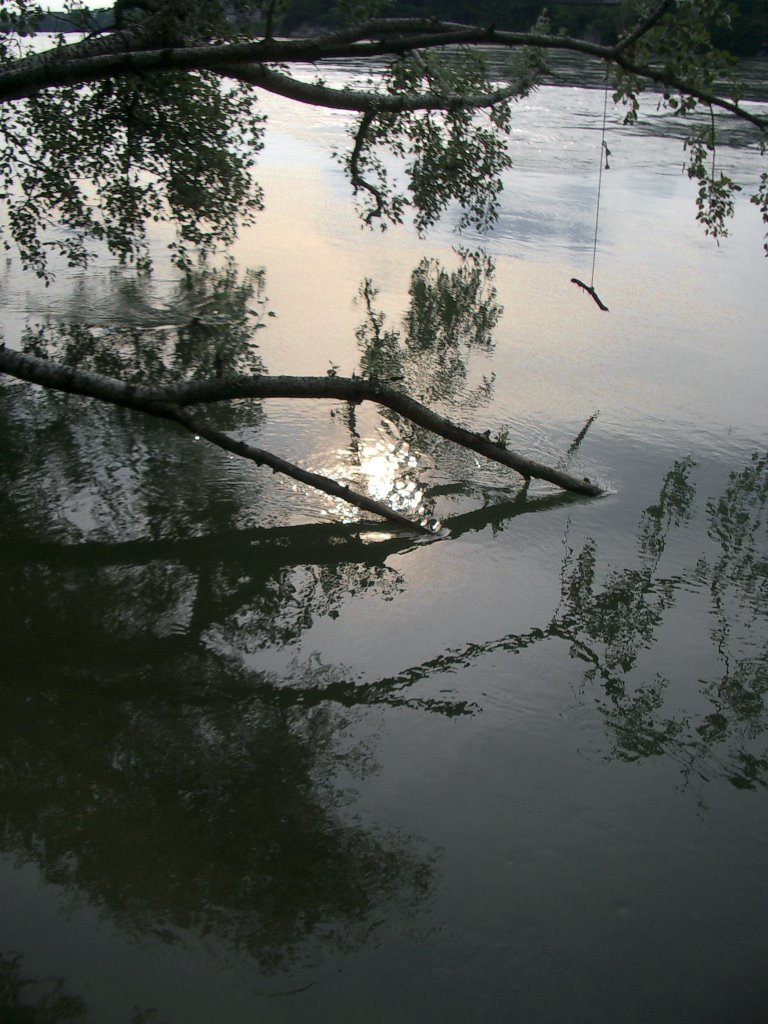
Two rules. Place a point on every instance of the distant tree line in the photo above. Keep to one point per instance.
(603, 20)
(600, 20)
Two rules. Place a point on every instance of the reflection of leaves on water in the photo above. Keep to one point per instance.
(638, 725)
(141, 605)
(76, 469)
(738, 582)
(205, 327)
(673, 509)
(450, 320)
(26, 1000)
(451, 309)
(738, 521)
(609, 625)
(190, 808)
(623, 613)
(609, 617)
(451, 314)
(254, 612)
(100, 471)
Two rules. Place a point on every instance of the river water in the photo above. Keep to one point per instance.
(263, 761)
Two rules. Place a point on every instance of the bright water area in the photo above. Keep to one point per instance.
(263, 761)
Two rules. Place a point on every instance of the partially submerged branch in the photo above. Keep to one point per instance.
(573, 447)
(358, 389)
(170, 403)
(278, 465)
(59, 377)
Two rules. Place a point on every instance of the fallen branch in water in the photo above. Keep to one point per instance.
(170, 403)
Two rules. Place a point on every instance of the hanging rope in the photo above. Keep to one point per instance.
(604, 153)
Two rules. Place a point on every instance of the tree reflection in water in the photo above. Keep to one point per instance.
(451, 316)
(738, 582)
(143, 765)
(204, 327)
(89, 470)
(609, 626)
(186, 801)
(26, 1000)
(146, 764)
(608, 617)
(447, 331)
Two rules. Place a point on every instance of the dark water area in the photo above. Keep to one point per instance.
(264, 760)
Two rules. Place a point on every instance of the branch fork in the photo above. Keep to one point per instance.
(173, 402)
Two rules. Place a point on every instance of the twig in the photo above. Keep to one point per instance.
(358, 181)
(643, 27)
(573, 447)
(592, 292)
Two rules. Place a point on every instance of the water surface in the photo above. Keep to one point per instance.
(264, 761)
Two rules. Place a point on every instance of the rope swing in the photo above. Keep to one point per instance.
(604, 152)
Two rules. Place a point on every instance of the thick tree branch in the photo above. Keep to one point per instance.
(166, 401)
(132, 52)
(153, 403)
(666, 79)
(351, 99)
(358, 389)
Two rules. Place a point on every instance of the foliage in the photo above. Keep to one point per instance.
(22, 18)
(163, 147)
(715, 197)
(450, 155)
(694, 67)
(760, 199)
(157, 120)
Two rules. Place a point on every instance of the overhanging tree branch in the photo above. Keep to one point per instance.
(132, 52)
(449, 157)
(355, 100)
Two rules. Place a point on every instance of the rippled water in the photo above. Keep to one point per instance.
(261, 761)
